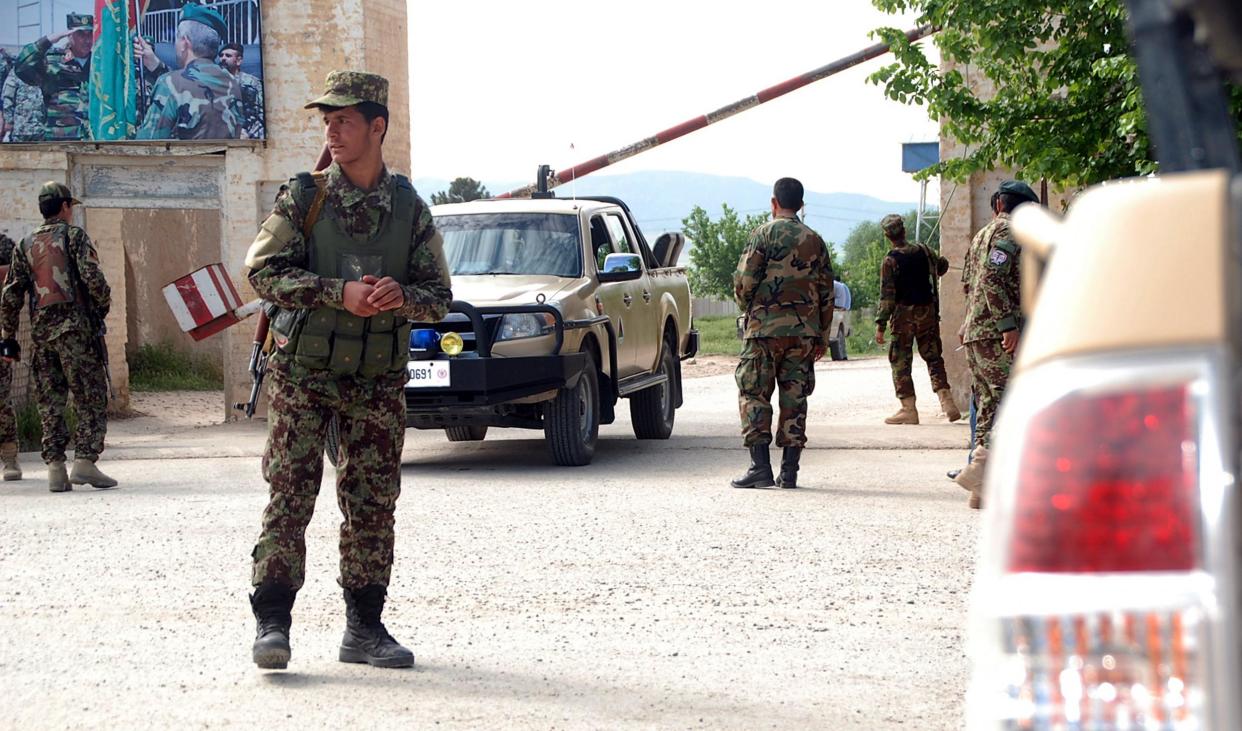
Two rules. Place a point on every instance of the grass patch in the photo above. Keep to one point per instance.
(718, 335)
(863, 343)
(164, 368)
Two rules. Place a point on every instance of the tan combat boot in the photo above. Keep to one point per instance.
(57, 479)
(971, 478)
(907, 414)
(8, 455)
(948, 405)
(85, 472)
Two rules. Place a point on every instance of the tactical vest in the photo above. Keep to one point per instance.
(47, 249)
(338, 340)
(913, 280)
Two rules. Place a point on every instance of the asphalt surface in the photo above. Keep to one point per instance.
(638, 592)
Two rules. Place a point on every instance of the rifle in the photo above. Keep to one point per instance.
(260, 348)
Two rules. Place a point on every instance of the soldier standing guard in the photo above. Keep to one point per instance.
(784, 287)
(200, 101)
(8, 419)
(910, 298)
(57, 268)
(231, 57)
(63, 81)
(349, 257)
(993, 316)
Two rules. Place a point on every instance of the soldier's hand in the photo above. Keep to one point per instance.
(143, 50)
(1009, 341)
(879, 336)
(387, 294)
(819, 351)
(58, 37)
(354, 299)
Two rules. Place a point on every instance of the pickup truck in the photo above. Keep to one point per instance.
(561, 310)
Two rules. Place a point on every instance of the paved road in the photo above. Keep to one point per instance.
(639, 592)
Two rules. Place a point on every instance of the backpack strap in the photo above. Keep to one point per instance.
(311, 192)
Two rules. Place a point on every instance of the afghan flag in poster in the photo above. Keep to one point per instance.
(113, 112)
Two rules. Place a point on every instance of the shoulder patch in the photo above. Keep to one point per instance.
(1006, 245)
(998, 257)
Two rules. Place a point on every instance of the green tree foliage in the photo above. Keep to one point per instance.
(460, 191)
(1067, 107)
(717, 247)
(864, 250)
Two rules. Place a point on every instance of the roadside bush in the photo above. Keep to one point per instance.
(164, 368)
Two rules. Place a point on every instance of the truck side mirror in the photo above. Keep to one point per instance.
(621, 268)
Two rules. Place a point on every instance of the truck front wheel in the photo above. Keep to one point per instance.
(652, 409)
(571, 420)
(465, 433)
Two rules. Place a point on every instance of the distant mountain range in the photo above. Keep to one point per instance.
(660, 200)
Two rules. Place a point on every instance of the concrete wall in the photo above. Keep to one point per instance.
(152, 208)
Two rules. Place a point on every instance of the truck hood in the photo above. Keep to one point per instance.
(508, 289)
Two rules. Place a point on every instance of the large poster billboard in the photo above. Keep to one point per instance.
(107, 70)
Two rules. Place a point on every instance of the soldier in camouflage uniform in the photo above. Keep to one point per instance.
(200, 101)
(348, 258)
(784, 287)
(231, 57)
(992, 283)
(57, 269)
(23, 110)
(8, 419)
(64, 81)
(910, 298)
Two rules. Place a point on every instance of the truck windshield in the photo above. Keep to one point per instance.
(512, 243)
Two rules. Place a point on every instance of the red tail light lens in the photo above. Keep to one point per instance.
(1108, 483)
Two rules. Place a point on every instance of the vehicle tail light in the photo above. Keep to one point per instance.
(1100, 598)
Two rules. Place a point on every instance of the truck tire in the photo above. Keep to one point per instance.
(465, 433)
(836, 346)
(332, 443)
(652, 410)
(571, 420)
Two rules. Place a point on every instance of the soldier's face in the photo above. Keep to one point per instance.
(348, 134)
(230, 60)
(80, 43)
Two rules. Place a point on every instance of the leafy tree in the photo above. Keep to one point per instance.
(460, 191)
(717, 247)
(1067, 105)
(864, 250)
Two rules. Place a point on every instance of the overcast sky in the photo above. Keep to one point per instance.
(499, 87)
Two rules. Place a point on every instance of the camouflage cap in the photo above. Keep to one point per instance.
(893, 225)
(209, 17)
(347, 88)
(53, 190)
(79, 21)
(1018, 188)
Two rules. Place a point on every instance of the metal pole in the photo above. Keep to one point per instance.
(918, 221)
(697, 123)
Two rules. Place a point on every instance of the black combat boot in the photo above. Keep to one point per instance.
(365, 639)
(760, 472)
(789, 467)
(272, 604)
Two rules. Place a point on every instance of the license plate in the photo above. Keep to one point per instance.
(428, 373)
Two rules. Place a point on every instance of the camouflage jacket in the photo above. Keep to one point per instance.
(280, 255)
(784, 283)
(199, 102)
(52, 321)
(6, 251)
(252, 105)
(64, 85)
(889, 275)
(991, 281)
(22, 106)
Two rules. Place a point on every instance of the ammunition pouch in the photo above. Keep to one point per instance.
(341, 342)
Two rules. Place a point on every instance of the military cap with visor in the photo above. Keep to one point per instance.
(892, 224)
(53, 190)
(79, 21)
(347, 88)
(209, 17)
(1019, 189)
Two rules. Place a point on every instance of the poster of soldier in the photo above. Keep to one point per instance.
(109, 70)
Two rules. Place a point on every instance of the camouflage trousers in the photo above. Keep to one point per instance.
(989, 367)
(8, 419)
(767, 364)
(909, 325)
(64, 365)
(371, 420)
